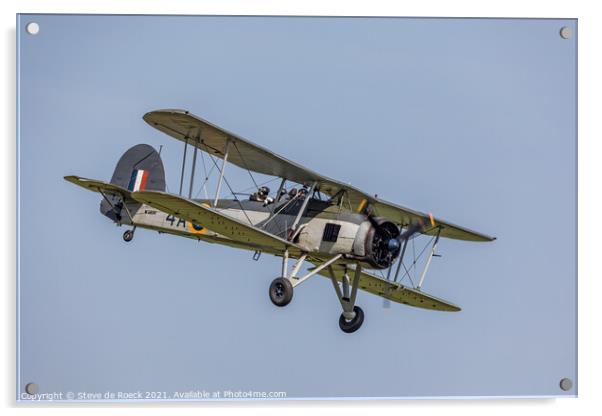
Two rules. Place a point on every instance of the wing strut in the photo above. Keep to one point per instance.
(280, 188)
(428, 261)
(192, 172)
(183, 165)
(302, 209)
(221, 172)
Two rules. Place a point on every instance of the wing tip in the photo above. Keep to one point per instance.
(149, 114)
(76, 180)
(476, 237)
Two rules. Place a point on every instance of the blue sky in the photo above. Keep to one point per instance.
(473, 120)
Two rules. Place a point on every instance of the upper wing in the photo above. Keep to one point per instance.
(394, 291)
(182, 125)
(98, 186)
(215, 221)
(210, 138)
(402, 215)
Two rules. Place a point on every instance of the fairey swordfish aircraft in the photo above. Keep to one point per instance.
(338, 229)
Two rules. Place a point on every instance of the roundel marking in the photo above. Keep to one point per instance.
(195, 228)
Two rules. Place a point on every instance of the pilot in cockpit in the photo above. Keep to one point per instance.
(300, 193)
(292, 193)
(262, 195)
(303, 192)
(283, 192)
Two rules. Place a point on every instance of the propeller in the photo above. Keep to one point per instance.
(394, 240)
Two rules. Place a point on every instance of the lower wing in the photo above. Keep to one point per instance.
(393, 291)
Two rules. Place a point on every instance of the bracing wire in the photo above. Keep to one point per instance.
(290, 201)
(204, 186)
(416, 258)
(261, 184)
(246, 167)
(232, 191)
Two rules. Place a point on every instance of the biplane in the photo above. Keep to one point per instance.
(319, 225)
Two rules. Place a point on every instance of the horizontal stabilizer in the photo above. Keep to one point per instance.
(207, 217)
(393, 291)
(98, 186)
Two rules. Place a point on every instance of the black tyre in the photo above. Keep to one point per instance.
(281, 291)
(128, 236)
(355, 323)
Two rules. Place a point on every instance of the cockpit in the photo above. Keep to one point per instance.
(263, 195)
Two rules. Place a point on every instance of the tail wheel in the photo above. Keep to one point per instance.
(354, 324)
(281, 291)
(128, 236)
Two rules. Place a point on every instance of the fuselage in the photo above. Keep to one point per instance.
(325, 229)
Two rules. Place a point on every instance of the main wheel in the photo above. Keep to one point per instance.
(128, 236)
(281, 291)
(354, 324)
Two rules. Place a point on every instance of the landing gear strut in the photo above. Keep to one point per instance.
(281, 289)
(352, 317)
(128, 235)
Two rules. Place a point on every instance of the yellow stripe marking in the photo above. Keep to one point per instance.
(432, 219)
(362, 205)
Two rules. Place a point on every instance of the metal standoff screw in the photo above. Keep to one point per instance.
(32, 28)
(565, 32)
(566, 384)
(31, 388)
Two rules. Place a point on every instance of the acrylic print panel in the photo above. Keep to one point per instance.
(471, 120)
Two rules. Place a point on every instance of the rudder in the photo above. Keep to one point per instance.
(139, 168)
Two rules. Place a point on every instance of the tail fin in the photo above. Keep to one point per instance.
(139, 168)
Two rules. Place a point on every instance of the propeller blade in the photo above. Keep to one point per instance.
(373, 221)
(367, 211)
(412, 229)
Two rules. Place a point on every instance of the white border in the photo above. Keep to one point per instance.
(589, 190)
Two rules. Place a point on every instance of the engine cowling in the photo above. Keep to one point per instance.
(381, 247)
